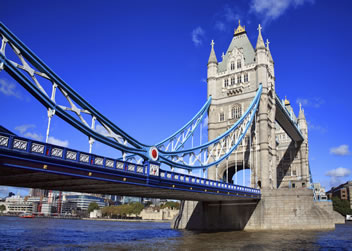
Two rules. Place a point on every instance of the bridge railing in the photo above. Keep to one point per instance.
(148, 169)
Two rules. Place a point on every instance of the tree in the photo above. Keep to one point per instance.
(171, 204)
(92, 206)
(341, 206)
(136, 208)
(2, 208)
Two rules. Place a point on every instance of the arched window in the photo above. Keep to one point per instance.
(222, 117)
(239, 79)
(226, 82)
(239, 64)
(232, 65)
(236, 111)
(232, 81)
(245, 77)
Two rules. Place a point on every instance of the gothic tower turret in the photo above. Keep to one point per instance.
(212, 72)
(304, 150)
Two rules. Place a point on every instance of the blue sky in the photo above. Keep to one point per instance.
(143, 65)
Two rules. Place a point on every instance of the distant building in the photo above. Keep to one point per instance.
(319, 192)
(16, 205)
(95, 214)
(158, 214)
(36, 192)
(128, 199)
(83, 200)
(343, 191)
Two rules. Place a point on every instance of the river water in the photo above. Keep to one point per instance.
(61, 234)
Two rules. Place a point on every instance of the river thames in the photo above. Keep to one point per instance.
(61, 234)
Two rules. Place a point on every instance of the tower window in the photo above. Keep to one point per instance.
(239, 64)
(245, 78)
(236, 111)
(239, 79)
(232, 65)
(232, 81)
(226, 82)
(222, 117)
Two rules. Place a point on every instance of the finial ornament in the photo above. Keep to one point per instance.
(223, 55)
(300, 106)
(240, 28)
(267, 43)
(259, 28)
(287, 102)
(212, 44)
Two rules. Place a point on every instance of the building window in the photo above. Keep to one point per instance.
(239, 79)
(239, 64)
(236, 111)
(245, 78)
(232, 65)
(222, 117)
(232, 81)
(226, 82)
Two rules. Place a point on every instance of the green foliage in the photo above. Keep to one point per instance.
(171, 204)
(123, 211)
(136, 208)
(341, 206)
(2, 208)
(92, 206)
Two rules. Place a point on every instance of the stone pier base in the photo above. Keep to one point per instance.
(277, 210)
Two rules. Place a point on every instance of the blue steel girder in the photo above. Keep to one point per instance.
(203, 156)
(25, 158)
(114, 136)
(216, 150)
(178, 139)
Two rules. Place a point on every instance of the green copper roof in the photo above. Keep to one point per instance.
(239, 41)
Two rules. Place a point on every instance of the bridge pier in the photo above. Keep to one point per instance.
(279, 209)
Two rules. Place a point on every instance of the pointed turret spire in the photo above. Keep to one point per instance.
(301, 113)
(212, 57)
(269, 53)
(260, 41)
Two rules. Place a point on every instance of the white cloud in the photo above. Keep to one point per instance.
(24, 128)
(55, 141)
(272, 9)
(197, 36)
(315, 127)
(341, 150)
(230, 14)
(337, 175)
(313, 102)
(338, 172)
(9, 89)
(34, 136)
(220, 26)
(4, 191)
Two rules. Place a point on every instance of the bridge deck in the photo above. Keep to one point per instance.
(285, 121)
(26, 168)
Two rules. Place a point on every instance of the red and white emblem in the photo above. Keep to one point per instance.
(153, 153)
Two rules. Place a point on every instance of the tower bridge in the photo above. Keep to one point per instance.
(249, 127)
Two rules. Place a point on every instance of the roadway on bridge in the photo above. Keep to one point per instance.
(21, 170)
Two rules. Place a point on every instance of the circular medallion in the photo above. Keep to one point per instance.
(154, 153)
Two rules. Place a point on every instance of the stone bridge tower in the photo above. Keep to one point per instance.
(274, 159)
(233, 83)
